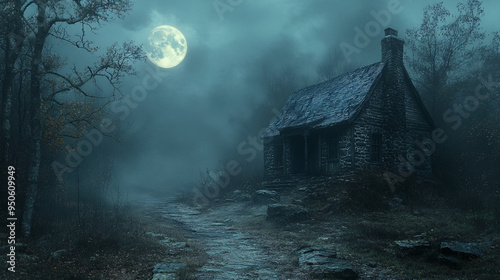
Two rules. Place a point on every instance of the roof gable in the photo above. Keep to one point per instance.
(329, 103)
(418, 99)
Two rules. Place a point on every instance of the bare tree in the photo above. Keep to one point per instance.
(33, 23)
(334, 64)
(479, 157)
(442, 47)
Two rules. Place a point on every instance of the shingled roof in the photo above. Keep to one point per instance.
(329, 103)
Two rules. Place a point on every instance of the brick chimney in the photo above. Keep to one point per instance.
(392, 48)
(394, 94)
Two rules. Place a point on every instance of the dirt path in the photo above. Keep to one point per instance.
(232, 254)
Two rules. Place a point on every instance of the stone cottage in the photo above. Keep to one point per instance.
(365, 119)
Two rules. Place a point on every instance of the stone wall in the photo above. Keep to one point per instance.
(418, 129)
(370, 120)
(393, 112)
(273, 167)
(394, 88)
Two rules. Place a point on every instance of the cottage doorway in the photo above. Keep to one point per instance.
(304, 154)
(297, 150)
(313, 157)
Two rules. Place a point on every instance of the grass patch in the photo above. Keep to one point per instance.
(365, 234)
(129, 254)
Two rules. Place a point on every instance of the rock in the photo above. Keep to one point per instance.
(243, 197)
(421, 236)
(238, 195)
(286, 213)
(315, 255)
(322, 263)
(178, 245)
(449, 261)
(416, 213)
(266, 197)
(168, 267)
(412, 247)
(167, 271)
(57, 254)
(396, 204)
(338, 269)
(156, 235)
(297, 201)
(173, 245)
(464, 250)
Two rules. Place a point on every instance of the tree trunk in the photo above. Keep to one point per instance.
(35, 121)
(6, 128)
(13, 45)
(35, 128)
(7, 105)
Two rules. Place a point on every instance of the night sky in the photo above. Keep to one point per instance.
(186, 124)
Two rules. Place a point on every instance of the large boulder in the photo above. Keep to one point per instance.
(454, 253)
(412, 247)
(464, 250)
(322, 263)
(313, 255)
(287, 213)
(450, 261)
(266, 197)
(337, 269)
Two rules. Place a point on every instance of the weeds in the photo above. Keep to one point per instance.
(90, 219)
(496, 214)
(369, 193)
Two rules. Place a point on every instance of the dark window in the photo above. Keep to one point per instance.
(332, 145)
(376, 147)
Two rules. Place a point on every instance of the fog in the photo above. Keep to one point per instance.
(115, 168)
(192, 119)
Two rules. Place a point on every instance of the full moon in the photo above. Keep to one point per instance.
(167, 46)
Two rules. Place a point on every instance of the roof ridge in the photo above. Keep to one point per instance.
(343, 74)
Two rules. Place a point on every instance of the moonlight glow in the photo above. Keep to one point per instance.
(167, 46)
